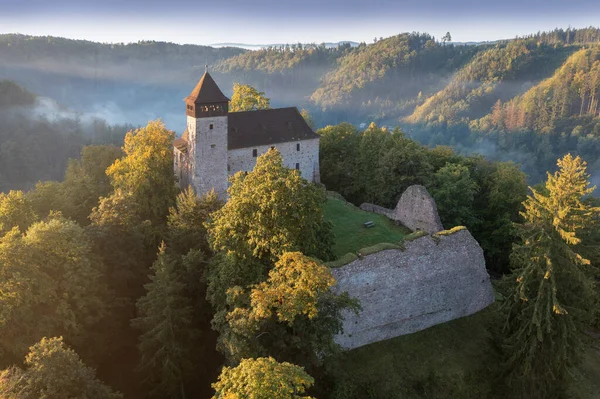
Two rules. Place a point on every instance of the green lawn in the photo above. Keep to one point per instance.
(350, 232)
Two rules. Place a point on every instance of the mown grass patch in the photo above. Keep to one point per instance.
(350, 233)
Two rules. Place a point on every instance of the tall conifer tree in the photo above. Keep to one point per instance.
(167, 331)
(552, 288)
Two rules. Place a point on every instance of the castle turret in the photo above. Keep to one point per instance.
(207, 114)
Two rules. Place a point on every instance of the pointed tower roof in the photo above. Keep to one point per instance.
(206, 92)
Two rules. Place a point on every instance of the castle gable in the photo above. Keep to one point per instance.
(267, 127)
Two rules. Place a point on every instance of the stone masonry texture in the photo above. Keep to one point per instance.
(417, 210)
(432, 281)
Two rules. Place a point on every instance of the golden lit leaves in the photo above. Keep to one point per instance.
(293, 288)
(247, 98)
(262, 378)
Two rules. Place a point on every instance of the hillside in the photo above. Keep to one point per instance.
(37, 139)
(570, 96)
(467, 96)
(500, 72)
(388, 77)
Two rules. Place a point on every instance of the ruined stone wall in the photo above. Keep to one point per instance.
(435, 279)
(367, 207)
(416, 209)
(308, 157)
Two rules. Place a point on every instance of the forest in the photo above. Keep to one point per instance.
(529, 100)
(115, 283)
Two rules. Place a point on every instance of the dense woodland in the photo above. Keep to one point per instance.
(529, 100)
(115, 283)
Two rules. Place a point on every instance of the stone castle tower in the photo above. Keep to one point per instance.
(207, 111)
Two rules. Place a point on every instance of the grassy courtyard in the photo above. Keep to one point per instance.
(350, 232)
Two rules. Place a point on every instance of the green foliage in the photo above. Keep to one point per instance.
(145, 173)
(349, 229)
(247, 98)
(376, 166)
(271, 210)
(168, 336)
(50, 283)
(454, 191)
(404, 62)
(373, 166)
(12, 95)
(53, 371)
(263, 378)
(15, 211)
(486, 78)
(86, 181)
(186, 229)
(572, 90)
(551, 289)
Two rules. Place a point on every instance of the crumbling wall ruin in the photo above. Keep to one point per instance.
(434, 279)
(416, 209)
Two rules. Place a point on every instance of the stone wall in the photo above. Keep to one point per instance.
(416, 209)
(377, 209)
(435, 279)
(307, 157)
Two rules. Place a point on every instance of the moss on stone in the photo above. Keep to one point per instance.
(343, 261)
(449, 232)
(378, 248)
(414, 235)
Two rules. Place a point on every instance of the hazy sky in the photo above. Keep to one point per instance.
(277, 21)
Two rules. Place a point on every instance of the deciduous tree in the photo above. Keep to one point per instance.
(262, 378)
(53, 371)
(247, 98)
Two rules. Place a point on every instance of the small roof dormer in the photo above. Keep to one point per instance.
(206, 99)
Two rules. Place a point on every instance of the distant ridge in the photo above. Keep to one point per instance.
(261, 46)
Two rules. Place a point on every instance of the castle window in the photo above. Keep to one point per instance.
(297, 166)
(254, 153)
(211, 126)
(213, 145)
(298, 147)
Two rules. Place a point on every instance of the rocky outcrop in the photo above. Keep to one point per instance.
(416, 209)
(434, 279)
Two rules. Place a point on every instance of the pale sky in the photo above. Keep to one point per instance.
(281, 21)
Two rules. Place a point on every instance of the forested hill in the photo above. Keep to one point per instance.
(37, 139)
(529, 99)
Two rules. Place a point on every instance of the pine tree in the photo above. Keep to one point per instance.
(552, 288)
(168, 336)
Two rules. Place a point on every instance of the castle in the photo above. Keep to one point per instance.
(216, 144)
